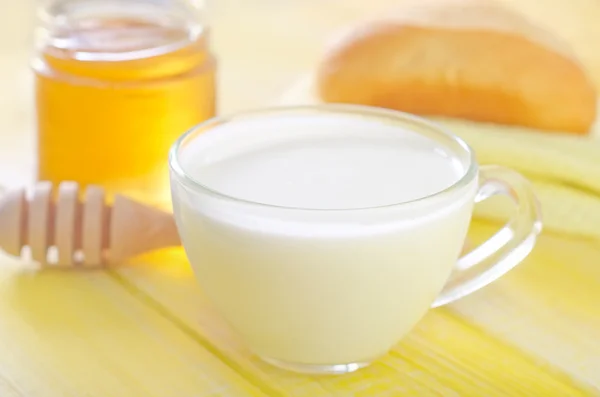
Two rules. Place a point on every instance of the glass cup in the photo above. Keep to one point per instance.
(328, 291)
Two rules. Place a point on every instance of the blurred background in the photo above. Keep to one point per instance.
(262, 48)
(263, 45)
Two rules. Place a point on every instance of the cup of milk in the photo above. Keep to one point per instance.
(323, 234)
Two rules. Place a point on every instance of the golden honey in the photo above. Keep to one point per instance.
(113, 94)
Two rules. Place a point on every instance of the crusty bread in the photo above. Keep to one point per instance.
(465, 59)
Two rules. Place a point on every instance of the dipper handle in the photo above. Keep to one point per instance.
(83, 228)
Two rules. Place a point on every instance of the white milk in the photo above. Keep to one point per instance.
(311, 286)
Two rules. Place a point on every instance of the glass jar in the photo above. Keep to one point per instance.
(117, 81)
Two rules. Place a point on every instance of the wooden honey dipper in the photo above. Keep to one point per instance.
(86, 233)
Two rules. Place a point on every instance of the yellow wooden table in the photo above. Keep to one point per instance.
(145, 329)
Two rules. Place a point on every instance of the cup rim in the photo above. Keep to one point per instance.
(335, 109)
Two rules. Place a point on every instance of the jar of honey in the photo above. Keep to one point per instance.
(117, 81)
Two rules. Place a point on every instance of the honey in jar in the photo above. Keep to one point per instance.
(116, 83)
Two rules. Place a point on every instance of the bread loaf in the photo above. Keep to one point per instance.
(465, 59)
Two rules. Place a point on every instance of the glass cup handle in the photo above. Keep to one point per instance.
(505, 249)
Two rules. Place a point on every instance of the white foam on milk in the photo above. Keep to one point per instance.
(321, 162)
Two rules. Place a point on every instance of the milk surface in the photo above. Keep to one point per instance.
(364, 168)
(301, 284)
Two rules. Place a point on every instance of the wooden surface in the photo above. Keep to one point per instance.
(145, 329)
